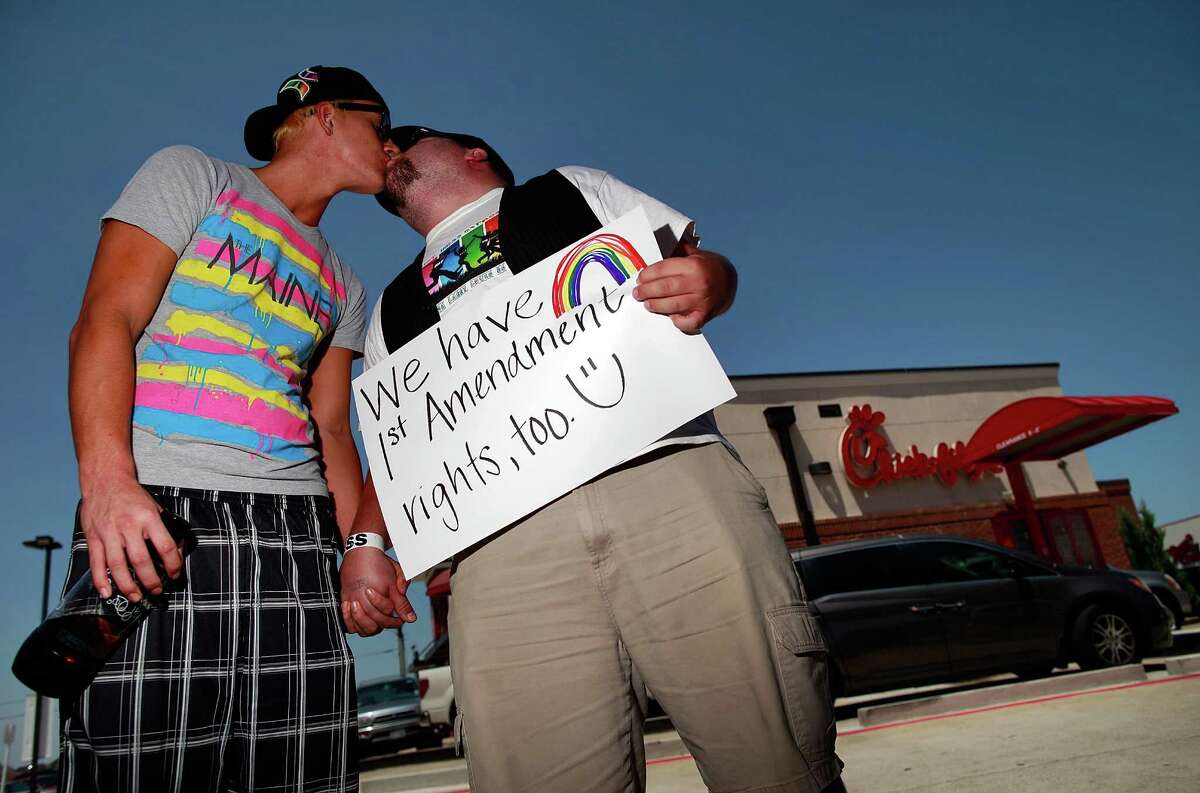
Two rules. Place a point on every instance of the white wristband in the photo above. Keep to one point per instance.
(365, 539)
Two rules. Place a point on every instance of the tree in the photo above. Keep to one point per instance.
(1145, 544)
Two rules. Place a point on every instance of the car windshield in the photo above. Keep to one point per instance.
(390, 691)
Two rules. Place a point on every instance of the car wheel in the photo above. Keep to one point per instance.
(1105, 637)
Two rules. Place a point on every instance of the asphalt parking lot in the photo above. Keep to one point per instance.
(1135, 736)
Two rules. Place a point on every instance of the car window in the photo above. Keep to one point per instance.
(854, 570)
(390, 691)
(1028, 569)
(955, 562)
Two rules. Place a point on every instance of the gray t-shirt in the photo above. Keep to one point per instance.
(219, 403)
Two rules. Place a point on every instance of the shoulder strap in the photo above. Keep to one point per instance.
(544, 215)
(406, 309)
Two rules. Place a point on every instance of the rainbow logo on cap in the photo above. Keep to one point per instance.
(300, 83)
(619, 257)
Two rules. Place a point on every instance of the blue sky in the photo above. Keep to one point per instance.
(901, 184)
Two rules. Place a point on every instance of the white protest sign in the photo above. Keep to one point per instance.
(527, 389)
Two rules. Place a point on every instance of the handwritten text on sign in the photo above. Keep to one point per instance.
(526, 390)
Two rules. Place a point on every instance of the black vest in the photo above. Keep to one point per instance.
(544, 215)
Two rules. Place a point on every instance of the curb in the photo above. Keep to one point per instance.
(996, 695)
(1183, 665)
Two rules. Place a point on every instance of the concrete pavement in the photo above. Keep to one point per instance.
(1135, 737)
(1111, 739)
(1144, 736)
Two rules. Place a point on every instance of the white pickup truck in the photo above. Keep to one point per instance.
(432, 666)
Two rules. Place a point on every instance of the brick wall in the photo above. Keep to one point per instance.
(1120, 495)
(976, 521)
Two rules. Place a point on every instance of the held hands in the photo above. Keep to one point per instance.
(117, 519)
(691, 289)
(373, 592)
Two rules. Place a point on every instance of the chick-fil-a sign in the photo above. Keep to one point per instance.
(868, 461)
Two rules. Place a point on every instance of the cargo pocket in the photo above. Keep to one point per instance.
(802, 668)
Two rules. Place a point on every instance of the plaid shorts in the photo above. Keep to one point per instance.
(245, 681)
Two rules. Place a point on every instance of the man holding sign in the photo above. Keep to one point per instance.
(666, 572)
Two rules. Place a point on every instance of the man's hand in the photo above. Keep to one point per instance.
(373, 592)
(691, 287)
(117, 519)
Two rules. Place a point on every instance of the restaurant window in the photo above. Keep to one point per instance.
(1071, 537)
(1019, 527)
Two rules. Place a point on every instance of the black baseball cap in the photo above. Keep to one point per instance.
(305, 88)
(405, 137)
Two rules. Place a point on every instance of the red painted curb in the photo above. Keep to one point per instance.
(1006, 705)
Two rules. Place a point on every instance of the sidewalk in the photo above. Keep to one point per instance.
(1144, 736)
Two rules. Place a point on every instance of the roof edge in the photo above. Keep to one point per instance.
(912, 370)
(1180, 520)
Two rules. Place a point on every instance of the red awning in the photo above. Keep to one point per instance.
(439, 584)
(1048, 428)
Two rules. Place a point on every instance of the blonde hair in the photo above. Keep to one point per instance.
(291, 125)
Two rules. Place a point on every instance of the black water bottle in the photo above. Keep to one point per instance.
(64, 654)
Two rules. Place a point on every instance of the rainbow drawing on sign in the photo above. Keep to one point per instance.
(620, 259)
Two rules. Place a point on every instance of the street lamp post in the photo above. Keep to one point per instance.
(10, 732)
(48, 544)
(400, 643)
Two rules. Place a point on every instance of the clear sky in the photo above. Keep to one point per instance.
(901, 184)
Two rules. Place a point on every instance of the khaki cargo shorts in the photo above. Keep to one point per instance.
(668, 575)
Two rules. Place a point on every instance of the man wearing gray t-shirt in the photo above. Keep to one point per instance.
(209, 376)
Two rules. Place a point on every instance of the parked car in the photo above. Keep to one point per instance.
(47, 783)
(909, 611)
(1168, 590)
(432, 666)
(390, 716)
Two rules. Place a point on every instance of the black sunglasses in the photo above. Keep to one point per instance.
(385, 120)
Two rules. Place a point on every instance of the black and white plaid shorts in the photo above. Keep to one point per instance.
(245, 681)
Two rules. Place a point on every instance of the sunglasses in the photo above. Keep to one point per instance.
(385, 120)
(407, 137)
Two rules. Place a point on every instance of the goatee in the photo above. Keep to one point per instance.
(400, 177)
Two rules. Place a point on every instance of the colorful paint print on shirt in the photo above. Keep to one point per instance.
(250, 301)
(473, 253)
